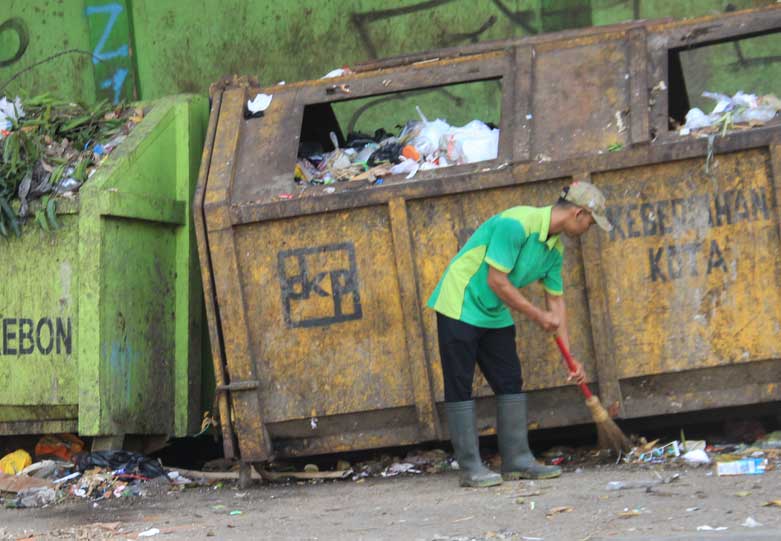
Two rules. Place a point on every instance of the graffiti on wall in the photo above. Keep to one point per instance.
(17, 26)
(111, 59)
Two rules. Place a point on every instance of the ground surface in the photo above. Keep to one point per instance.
(430, 507)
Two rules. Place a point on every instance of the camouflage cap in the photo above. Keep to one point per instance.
(588, 196)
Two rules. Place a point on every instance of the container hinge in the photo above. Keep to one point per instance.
(247, 385)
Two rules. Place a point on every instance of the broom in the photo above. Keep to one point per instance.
(609, 436)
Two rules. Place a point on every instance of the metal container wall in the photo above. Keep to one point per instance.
(315, 304)
(101, 319)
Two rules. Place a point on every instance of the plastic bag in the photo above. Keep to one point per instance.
(405, 166)
(474, 142)
(427, 140)
(126, 462)
(62, 446)
(696, 119)
(15, 462)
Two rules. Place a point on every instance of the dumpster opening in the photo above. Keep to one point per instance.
(399, 132)
(742, 64)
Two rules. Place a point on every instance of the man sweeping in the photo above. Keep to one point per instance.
(473, 300)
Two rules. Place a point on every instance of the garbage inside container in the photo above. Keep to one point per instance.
(50, 148)
(420, 145)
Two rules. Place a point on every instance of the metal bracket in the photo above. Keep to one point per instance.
(247, 385)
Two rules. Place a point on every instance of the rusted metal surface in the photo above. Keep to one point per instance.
(317, 309)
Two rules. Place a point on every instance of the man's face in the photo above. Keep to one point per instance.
(579, 222)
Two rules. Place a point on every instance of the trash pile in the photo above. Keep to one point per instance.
(730, 459)
(415, 462)
(65, 470)
(738, 112)
(421, 145)
(50, 148)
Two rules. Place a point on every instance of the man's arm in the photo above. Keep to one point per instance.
(512, 297)
(557, 306)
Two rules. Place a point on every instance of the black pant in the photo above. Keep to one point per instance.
(461, 344)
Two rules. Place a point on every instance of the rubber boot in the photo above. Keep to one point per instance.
(463, 434)
(511, 427)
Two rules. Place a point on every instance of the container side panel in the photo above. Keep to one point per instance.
(577, 94)
(322, 301)
(39, 316)
(693, 264)
(137, 318)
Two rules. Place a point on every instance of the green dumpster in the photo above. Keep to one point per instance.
(100, 321)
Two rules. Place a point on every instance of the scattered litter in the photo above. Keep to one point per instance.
(772, 503)
(694, 445)
(259, 103)
(698, 456)
(398, 468)
(707, 528)
(10, 112)
(178, 479)
(560, 509)
(61, 480)
(17, 483)
(338, 72)
(629, 513)
(692, 509)
(743, 494)
(770, 441)
(627, 485)
(304, 476)
(36, 497)
(236, 512)
(744, 466)
(751, 523)
(149, 533)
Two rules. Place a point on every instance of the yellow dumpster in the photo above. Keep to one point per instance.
(315, 292)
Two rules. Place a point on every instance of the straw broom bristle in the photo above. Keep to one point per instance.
(609, 436)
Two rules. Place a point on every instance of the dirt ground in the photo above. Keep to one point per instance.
(576, 507)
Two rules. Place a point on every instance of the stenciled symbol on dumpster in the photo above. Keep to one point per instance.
(319, 285)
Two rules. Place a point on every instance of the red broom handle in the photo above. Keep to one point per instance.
(571, 364)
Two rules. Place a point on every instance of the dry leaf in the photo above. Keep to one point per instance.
(629, 514)
(772, 503)
(556, 510)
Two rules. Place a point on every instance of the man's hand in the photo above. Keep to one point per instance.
(579, 375)
(549, 321)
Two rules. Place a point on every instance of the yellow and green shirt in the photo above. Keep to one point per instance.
(516, 242)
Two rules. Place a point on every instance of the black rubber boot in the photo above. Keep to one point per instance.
(463, 435)
(517, 459)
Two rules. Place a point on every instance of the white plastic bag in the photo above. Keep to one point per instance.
(696, 119)
(405, 166)
(474, 142)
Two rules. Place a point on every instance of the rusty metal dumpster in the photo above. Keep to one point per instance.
(315, 297)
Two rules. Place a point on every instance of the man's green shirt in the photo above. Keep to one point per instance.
(516, 242)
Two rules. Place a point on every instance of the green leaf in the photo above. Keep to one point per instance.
(51, 212)
(40, 217)
(11, 216)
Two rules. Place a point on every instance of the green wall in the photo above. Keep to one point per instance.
(166, 47)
